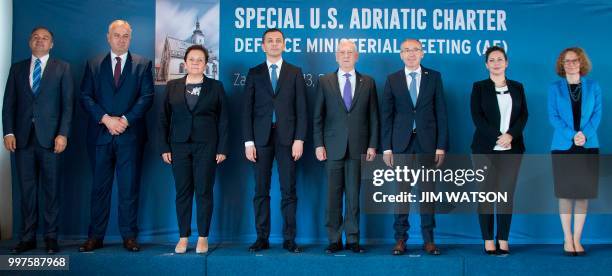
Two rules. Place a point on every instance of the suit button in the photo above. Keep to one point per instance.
(414, 111)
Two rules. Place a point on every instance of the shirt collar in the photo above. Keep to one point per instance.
(278, 63)
(123, 57)
(43, 59)
(407, 71)
(341, 73)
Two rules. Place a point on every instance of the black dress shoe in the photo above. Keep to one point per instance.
(355, 247)
(131, 245)
(51, 246)
(291, 246)
(431, 249)
(333, 247)
(23, 246)
(91, 245)
(259, 244)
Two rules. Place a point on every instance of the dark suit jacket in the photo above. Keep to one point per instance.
(207, 123)
(486, 116)
(289, 102)
(336, 128)
(131, 98)
(50, 111)
(399, 112)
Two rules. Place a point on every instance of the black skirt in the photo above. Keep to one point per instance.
(576, 172)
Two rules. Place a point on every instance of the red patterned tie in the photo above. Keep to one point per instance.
(117, 73)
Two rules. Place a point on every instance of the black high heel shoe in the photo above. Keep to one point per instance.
(489, 252)
(569, 253)
(501, 251)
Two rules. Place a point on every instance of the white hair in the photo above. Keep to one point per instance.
(346, 41)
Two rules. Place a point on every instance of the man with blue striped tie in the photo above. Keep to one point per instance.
(36, 119)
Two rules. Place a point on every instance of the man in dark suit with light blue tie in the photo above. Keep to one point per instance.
(116, 92)
(274, 127)
(36, 117)
(414, 122)
(345, 128)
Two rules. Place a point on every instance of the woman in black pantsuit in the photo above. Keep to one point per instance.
(499, 112)
(193, 126)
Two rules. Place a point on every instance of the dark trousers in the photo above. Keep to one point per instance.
(125, 160)
(193, 166)
(501, 175)
(286, 174)
(426, 209)
(38, 167)
(343, 177)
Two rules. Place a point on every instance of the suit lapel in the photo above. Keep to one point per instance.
(491, 99)
(423, 85)
(266, 76)
(26, 76)
(50, 67)
(180, 92)
(106, 69)
(403, 85)
(127, 69)
(337, 92)
(284, 72)
(358, 85)
(203, 92)
(567, 103)
(586, 106)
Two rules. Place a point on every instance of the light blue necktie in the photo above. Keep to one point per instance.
(347, 96)
(413, 93)
(36, 77)
(274, 79)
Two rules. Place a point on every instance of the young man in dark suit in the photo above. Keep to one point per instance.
(116, 92)
(414, 122)
(345, 128)
(36, 117)
(274, 127)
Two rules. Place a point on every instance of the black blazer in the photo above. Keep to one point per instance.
(289, 102)
(398, 113)
(207, 123)
(132, 98)
(337, 128)
(50, 111)
(486, 116)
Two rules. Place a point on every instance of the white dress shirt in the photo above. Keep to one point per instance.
(505, 110)
(342, 82)
(43, 64)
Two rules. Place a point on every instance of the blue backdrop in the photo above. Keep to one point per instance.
(536, 31)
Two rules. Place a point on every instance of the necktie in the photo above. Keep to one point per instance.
(274, 80)
(346, 93)
(117, 73)
(36, 76)
(413, 93)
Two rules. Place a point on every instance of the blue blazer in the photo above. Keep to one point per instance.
(561, 117)
(398, 112)
(50, 111)
(131, 98)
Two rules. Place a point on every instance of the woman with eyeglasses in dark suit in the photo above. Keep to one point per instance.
(193, 125)
(499, 112)
(574, 111)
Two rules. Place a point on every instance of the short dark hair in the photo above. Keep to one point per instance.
(263, 37)
(495, 49)
(41, 28)
(196, 47)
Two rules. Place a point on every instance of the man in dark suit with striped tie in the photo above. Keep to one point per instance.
(116, 92)
(274, 127)
(36, 117)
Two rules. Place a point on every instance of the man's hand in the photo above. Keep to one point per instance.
(388, 158)
(60, 144)
(115, 125)
(297, 149)
(251, 153)
(167, 157)
(370, 154)
(220, 158)
(10, 143)
(440, 154)
(321, 153)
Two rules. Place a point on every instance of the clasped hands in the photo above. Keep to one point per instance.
(115, 125)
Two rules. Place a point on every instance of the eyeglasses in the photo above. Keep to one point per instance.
(411, 50)
(571, 61)
(196, 60)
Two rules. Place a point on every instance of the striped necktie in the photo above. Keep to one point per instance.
(36, 76)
